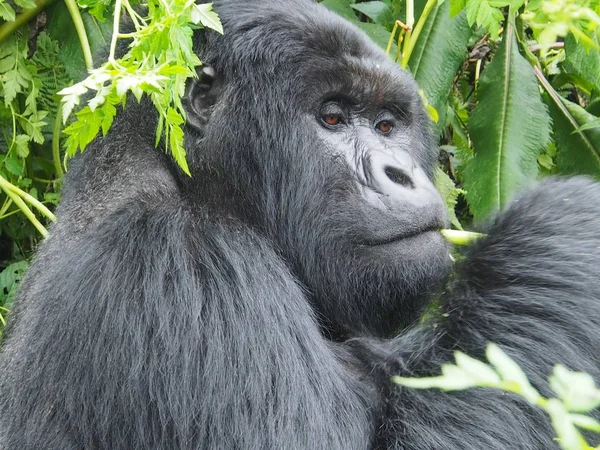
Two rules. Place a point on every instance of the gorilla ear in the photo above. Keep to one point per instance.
(200, 97)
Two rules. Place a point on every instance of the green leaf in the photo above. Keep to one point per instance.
(449, 193)
(60, 27)
(341, 8)
(509, 128)
(14, 165)
(25, 3)
(207, 17)
(377, 33)
(578, 151)
(438, 53)
(7, 12)
(478, 370)
(456, 7)
(577, 390)
(378, 12)
(580, 62)
(9, 280)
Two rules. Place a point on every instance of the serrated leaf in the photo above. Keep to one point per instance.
(25, 3)
(437, 55)
(207, 17)
(577, 390)
(449, 193)
(7, 12)
(578, 151)
(22, 145)
(477, 370)
(509, 128)
(14, 165)
(585, 64)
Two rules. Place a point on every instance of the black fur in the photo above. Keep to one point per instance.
(266, 302)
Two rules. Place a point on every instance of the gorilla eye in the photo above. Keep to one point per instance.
(331, 119)
(384, 126)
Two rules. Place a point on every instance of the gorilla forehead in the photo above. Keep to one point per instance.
(301, 41)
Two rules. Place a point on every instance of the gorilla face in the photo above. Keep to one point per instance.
(335, 164)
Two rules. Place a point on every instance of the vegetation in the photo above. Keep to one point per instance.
(513, 87)
(576, 393)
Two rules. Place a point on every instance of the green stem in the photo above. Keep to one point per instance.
(391, 40)
(457, 237)
(80, 28)
(8, 28)
(411, 41)
(22, 206)
(56, 142)
(7, 187)
(115, 34)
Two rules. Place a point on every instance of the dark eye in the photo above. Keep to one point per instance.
(384, 126)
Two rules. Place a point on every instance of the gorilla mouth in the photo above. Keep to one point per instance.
(401, 237)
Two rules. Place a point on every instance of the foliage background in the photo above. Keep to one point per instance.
(513, 87)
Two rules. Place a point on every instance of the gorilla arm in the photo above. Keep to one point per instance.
(531, 286)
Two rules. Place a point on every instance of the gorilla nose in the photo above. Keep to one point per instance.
(398, 179)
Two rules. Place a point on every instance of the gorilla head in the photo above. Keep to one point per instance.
(323, 145)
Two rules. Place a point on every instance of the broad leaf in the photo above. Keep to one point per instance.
(582, 62)
(342, 8)
(578, 150)
(60, 27)
(439, 52)
(509, 128)
(378, 12)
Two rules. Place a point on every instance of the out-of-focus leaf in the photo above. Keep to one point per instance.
(378, 12)
(378, 34)
(585, 64)
(60, 27)
(578, 150)
(509, 128)
(342, 8)
(439, 52)
(449, 193)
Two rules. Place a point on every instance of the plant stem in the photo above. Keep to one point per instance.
(457, 237)
(115, 34)
(410, 40)
(8, 28)
(6, 187)
(56, 142)
(81, 34)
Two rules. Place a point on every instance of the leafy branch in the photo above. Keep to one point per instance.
(576, 392)
(158, 62)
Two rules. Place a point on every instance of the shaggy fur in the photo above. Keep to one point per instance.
(259, 304)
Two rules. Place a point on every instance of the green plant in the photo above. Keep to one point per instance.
(576, 393)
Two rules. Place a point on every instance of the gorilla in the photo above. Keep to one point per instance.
(267, 301)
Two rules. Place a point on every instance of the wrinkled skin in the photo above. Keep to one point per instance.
(266, 302)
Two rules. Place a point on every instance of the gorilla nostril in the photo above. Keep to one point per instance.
(399, 177)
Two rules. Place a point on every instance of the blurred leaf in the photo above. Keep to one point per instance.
(580, 62)
(342, 8)
(378, 12)
(509, 128)
(578, 151)
(438, 54)
(9, 280)
(449, 193)
(377, 33)
(60, 28)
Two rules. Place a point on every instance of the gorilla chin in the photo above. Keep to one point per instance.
(266, 302)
